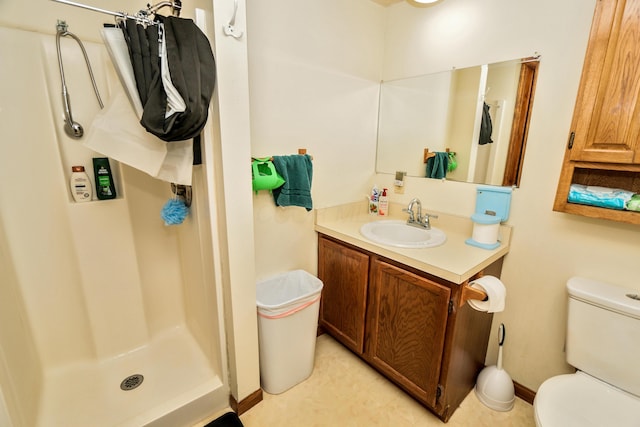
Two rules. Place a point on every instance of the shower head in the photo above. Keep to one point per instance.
(71, 127)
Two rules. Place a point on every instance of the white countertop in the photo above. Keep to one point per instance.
(454, 260)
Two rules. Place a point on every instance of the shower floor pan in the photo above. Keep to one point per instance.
(179, 388)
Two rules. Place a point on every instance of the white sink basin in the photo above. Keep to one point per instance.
(399, 234)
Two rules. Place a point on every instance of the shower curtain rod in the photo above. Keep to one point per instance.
(142, 16)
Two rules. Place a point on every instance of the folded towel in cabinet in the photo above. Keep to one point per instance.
(297, 171)
(612, 198)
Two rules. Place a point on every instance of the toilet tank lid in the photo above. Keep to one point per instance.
(611, 297)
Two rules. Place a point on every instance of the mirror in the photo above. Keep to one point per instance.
(478, 116)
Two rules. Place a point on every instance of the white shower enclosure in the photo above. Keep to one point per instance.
(108, 317)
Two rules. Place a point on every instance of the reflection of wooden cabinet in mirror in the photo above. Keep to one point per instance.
(604, 143)
(520, 125)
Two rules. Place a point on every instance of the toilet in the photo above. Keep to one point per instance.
(603, 344)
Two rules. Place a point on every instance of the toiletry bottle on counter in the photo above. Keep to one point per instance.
(104, 179)
(373, 200)
(80, 185)
(383, 203)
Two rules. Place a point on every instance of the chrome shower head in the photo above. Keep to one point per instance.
(73, 129)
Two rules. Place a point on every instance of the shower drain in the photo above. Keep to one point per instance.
(131, 382)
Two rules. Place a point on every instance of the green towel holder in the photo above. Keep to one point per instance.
(265, 176)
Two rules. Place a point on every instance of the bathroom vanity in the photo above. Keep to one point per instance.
(404, 311)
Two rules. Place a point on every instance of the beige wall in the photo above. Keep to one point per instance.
(294, 50)
(313, 74)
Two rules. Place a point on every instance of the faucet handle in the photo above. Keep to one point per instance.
(425, 220)
(410, 212)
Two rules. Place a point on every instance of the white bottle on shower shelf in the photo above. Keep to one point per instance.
(80, 184)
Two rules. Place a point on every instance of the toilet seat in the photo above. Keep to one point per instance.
(581, 400)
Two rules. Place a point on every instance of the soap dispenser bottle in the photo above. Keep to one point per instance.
(383, 203)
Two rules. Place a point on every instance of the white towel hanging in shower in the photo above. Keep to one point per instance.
(116, 132)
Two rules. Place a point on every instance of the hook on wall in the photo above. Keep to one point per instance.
(230, 29)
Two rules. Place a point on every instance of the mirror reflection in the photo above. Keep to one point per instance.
(466, 124)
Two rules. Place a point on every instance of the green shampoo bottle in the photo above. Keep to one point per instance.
(105, 188)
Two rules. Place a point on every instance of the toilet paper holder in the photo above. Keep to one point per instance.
(471, 293)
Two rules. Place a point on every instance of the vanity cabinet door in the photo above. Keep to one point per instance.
(406, 325)
(345, 275)
(606, 122)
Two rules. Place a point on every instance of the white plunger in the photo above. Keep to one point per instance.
(494, 386)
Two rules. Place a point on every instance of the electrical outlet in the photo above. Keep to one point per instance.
(398, 183)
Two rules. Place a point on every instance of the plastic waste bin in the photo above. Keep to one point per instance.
(288, 306)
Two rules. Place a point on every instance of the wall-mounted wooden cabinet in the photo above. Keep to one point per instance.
(412, 327)
(604, 143)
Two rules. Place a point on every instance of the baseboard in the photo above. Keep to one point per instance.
(247, 403)
(524, 393)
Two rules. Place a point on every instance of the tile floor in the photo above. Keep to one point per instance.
(344, 391)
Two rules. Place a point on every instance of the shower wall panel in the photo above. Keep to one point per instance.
(101, 231)
(33, 206)
(157, 249)
(200, 296)
(20, 370)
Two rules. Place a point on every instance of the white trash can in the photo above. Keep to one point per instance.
(288, 306)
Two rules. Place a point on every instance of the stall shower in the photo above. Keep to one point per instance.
(108, 317)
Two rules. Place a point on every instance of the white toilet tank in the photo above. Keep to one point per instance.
(603, 332)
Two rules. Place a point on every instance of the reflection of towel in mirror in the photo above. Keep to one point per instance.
(486, 127)
(297, 171)
(437, 165)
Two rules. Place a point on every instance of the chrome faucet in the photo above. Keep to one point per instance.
(410, 210)
(415, 218)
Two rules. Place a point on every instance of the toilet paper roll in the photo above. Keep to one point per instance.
(485, 233)
(496, 293)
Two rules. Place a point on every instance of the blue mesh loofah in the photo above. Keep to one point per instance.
(174, 212)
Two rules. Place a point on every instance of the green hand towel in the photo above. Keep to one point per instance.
(297, 171)
(437, 165)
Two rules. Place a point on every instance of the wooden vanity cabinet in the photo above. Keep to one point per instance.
(604, 140)
(406, 325)
(410, 326)
(345, 276)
